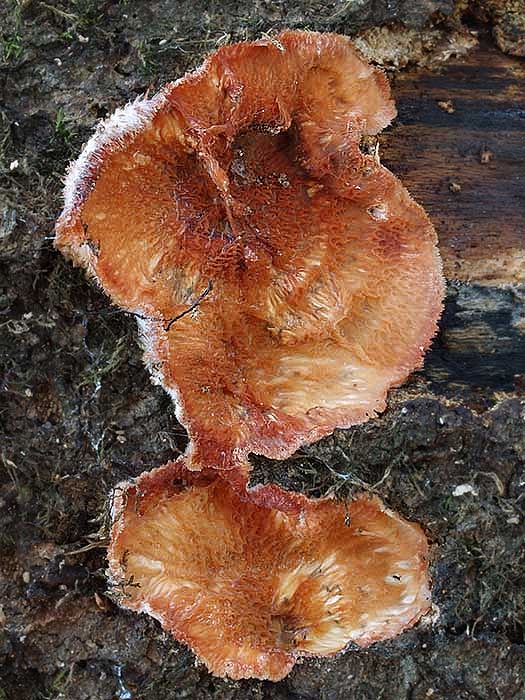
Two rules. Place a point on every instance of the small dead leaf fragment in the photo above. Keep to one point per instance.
(447, 106)
(485, 155)
(253, 580)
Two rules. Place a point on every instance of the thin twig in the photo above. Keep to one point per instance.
(191, 307)
(101, 544)
(59, 12)
(143, 317)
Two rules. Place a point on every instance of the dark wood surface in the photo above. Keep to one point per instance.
(464, 161)
(458, 144)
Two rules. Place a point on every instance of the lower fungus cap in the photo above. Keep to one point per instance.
(250, 587)
(304, 279)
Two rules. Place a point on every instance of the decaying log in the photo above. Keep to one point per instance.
(459, 146)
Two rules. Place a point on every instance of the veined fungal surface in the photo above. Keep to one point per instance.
(282, 279)
(251, 587)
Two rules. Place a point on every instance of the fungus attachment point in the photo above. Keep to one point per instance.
(251, 587)
(283, 280)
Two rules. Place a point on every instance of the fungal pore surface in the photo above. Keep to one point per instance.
(283, 280)
(251, 587)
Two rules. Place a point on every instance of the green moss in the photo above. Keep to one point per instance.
(12, 47)
(12, 43)
(62, 127)
(58, 688)
(5, 138)
(490, 552)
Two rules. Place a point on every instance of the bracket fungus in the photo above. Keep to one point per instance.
(252, 587)
(283, 281)
(304, 279)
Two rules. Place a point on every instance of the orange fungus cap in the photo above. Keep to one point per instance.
(251, 587)
(283, 280)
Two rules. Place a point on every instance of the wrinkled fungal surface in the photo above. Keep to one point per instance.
(251, 587)
(308, 279)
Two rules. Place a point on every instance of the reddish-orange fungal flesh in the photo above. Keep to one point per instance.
(250, 587)
(240, 192)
